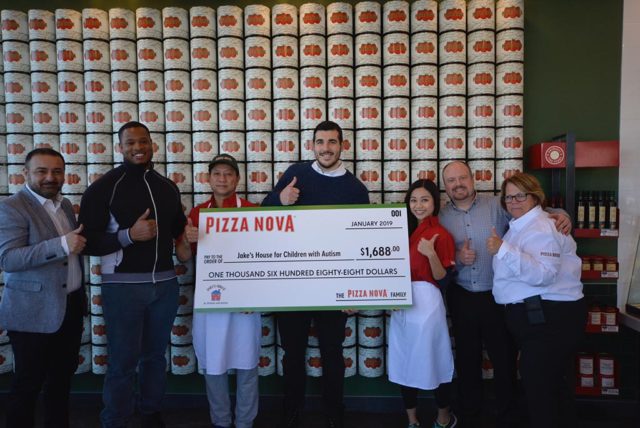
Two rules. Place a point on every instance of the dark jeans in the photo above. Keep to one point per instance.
(478, 319)
(547, 359)
(138, 318)
(47, 361)
(294, 331)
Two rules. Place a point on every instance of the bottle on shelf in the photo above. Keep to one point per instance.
(601, 210)
(612, 211)
(581, 212)
(590, 211)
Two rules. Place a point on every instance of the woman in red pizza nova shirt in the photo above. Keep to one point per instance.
(420, 355)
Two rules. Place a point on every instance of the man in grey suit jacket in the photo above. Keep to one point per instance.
(44, 300)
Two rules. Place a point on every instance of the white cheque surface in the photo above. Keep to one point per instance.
(303, 258)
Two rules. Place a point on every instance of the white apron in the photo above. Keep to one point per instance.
(226, 340)
(419, 345)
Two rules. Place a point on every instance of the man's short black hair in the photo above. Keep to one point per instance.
(132, 124)
(328, 125)
(43, 151)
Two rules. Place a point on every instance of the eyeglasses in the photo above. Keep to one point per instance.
(520, 197)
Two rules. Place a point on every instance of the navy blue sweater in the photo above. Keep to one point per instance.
(318, 189)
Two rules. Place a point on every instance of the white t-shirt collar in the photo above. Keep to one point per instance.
(339, 171)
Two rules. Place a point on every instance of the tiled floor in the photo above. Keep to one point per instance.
(190, 411)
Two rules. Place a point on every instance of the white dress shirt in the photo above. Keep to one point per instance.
(535, 259)
(53, 207)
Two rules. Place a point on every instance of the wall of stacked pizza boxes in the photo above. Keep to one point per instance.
(414, 85)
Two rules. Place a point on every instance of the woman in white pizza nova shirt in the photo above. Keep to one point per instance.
(537, 278)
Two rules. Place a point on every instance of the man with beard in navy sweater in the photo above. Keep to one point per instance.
(324, 181)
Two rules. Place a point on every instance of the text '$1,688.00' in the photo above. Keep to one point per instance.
(379, 251)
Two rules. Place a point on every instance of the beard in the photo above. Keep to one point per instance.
(455, 195)
(47, 190)
(333, 161)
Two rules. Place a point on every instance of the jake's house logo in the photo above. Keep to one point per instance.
(215, 293)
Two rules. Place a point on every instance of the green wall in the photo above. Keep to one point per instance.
(573, 54)
(572, 68)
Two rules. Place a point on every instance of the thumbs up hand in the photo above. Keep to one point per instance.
(190, 232)
(290, 194)
(143, 229)
(493, 242)
(467, 255)
(426, 247)
(75, 241)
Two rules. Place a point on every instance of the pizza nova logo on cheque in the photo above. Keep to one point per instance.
(281, 223)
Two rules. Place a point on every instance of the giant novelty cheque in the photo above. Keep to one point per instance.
(303, 258)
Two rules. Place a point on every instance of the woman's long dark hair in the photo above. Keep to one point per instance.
(430, 187)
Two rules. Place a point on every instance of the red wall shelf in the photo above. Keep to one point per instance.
(595, 233)
(596, 391)
(589, 154)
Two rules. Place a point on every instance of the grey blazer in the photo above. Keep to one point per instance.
(34, 265)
